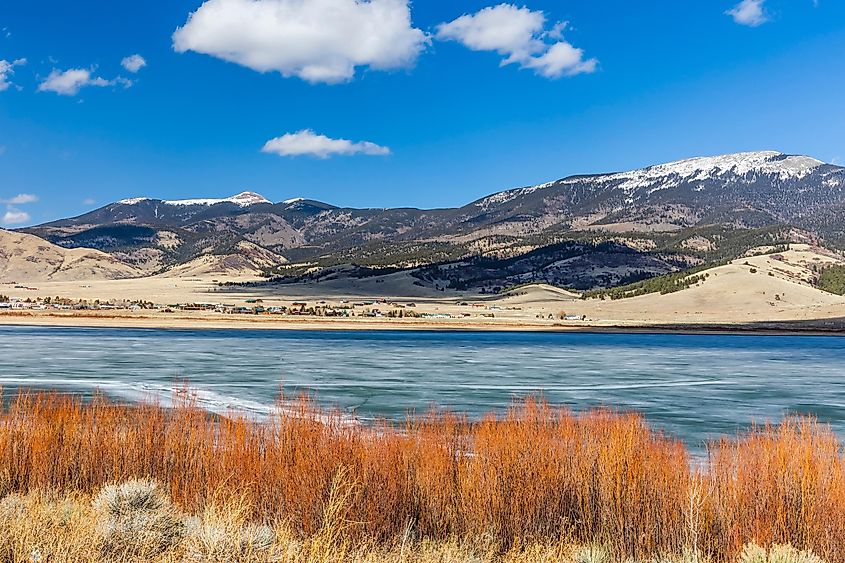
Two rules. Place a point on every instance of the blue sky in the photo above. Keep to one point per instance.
(383, 103)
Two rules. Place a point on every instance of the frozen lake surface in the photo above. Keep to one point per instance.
(693, 386)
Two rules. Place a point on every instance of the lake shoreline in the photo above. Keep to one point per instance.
(205, 322)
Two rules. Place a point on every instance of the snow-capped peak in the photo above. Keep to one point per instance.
(132, 200)
(663, 176)
(293, 200)
(244, 199)
(248, 198)
(764, 162)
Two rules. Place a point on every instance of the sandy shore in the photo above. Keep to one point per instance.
(200, 321)
(184, 320)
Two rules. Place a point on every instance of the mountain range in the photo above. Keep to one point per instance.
(583, 231)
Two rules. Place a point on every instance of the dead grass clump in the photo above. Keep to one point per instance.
(221, 533)
(136, 519)
(753, 553)
(592, 554)
(44, 527)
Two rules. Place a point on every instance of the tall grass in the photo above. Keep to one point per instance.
(536, 476)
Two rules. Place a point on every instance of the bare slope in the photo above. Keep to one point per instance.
(769, 287)
(248, 260)
(27, 258)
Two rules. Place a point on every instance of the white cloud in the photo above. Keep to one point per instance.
(21, 199)
(520, 36)
(315, 40)
(306, 142)
(69, 82)
(749, 12)
(508, 30)
(89, 201)
(15, 216)
(7, 69)
(133, 63)
(562, 59)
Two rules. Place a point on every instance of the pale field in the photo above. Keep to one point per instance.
(778, 292)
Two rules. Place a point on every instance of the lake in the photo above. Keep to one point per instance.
(693, 386)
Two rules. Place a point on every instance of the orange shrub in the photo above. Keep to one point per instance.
(779, 484)
(535, 474)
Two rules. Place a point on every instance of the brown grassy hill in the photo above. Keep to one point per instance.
(248, 261)
(27, 258)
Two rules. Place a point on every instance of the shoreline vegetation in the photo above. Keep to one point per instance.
(95, 480)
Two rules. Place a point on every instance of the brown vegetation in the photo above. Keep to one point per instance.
(538, 480)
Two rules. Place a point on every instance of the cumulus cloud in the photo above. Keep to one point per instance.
(70, 82)
(6, 70)
(133, 63)
(520, 36)
(307, 142)
(510, 31)
(15, 216)
(561, 59)
(315, 40)
(749, 12)
(20, 199)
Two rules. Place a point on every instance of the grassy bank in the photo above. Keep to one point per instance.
(539, 483)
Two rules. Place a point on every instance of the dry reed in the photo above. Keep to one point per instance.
(537, 479)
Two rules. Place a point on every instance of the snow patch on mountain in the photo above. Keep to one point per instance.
(509, 195)
(244, 199)
(673, 174)
(132, 200)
